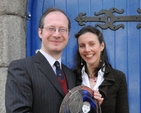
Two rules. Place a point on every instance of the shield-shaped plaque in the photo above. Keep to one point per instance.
(80, 100)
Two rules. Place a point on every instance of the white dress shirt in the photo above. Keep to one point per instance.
(86, 82)
(50, 59)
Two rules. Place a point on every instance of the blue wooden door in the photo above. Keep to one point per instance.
(123, 45)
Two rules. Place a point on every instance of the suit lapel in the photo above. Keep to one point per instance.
(108, 80)
(47, 70)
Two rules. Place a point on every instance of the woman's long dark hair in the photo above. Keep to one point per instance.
(104, 57)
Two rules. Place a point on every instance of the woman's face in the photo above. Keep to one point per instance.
(90, 48)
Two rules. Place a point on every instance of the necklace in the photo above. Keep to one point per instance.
(93, 79)
(92, 82)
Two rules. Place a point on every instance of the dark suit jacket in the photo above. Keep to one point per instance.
(32, 86)
(114, 91)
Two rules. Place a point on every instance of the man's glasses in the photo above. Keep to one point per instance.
(52, 29)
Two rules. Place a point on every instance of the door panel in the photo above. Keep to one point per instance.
(123, 45)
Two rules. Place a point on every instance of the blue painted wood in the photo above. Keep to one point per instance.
(28, 26)
(123, 45)
(33, 41)
(121, 40)
(133, 60)
(71, 47)
(108, 34)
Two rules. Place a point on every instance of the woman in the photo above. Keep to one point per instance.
(93, 70)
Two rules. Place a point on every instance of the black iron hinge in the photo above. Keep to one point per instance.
(109, 18)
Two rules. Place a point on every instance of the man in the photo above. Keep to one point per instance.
(32, 83)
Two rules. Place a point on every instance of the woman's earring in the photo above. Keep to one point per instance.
(81, 62)
(100, 61)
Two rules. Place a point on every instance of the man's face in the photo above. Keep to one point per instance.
(85, 108)
(55, 33)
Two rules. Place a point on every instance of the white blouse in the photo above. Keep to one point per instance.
(86, 82)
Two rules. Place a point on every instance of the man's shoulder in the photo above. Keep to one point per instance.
(21, 61)
(65, 67)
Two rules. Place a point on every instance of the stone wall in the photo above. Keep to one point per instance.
(12, 38)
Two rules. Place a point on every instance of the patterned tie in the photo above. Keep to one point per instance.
(58, 70)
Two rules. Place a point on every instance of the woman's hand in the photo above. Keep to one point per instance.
(98, 97)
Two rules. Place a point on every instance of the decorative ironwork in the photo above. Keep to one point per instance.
(109, 18)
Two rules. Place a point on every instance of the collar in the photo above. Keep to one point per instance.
(49, 58)
(85, 78)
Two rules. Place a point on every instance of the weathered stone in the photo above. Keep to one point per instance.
(13, 7)
(12, 39)
(3, 76)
